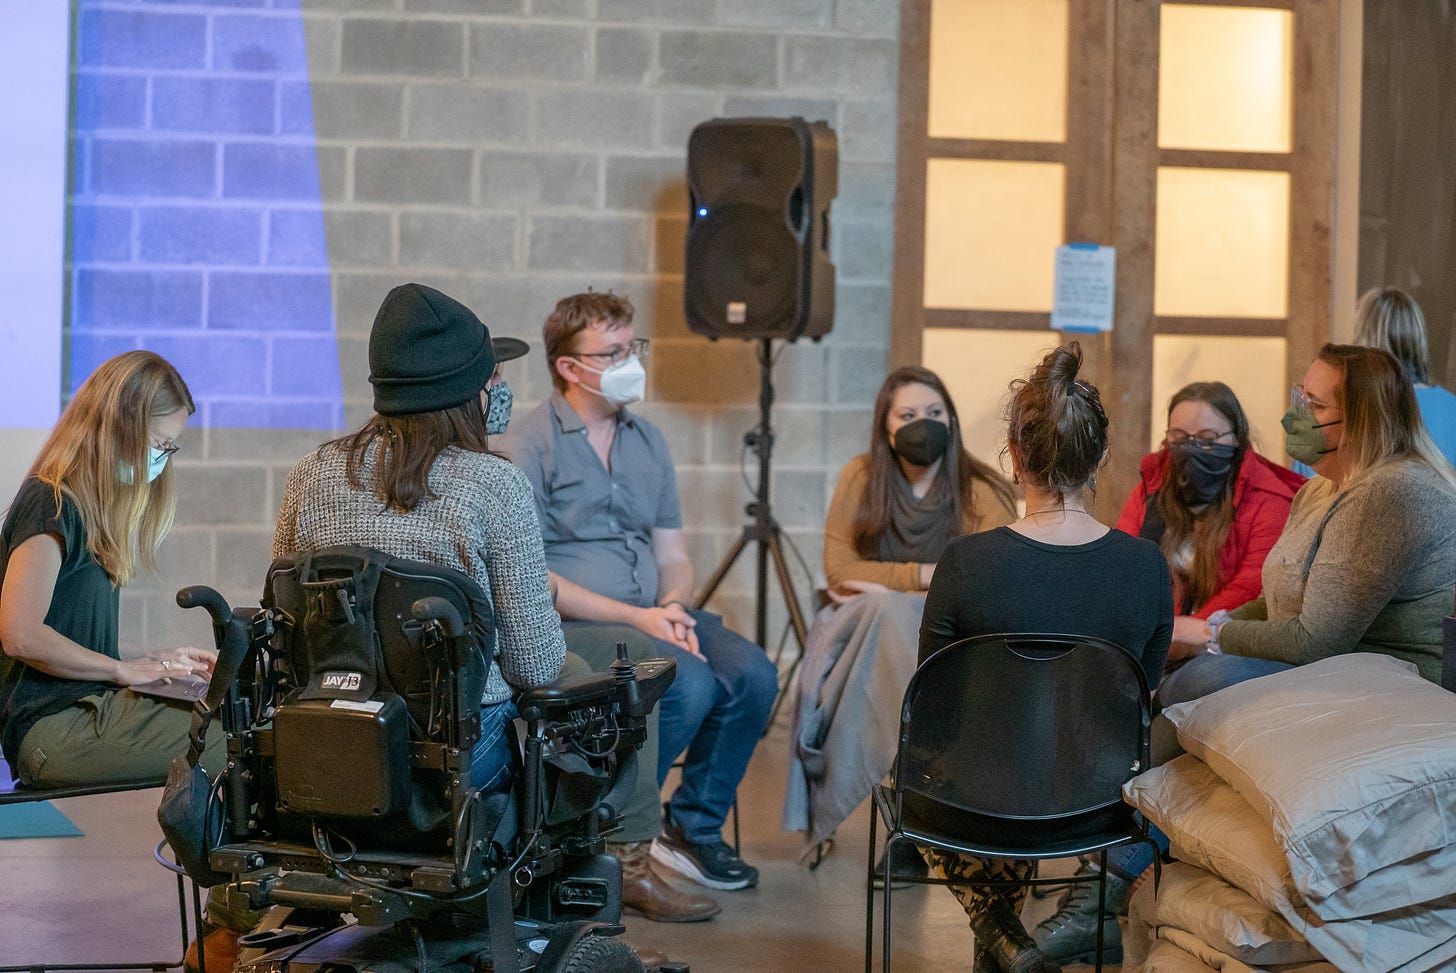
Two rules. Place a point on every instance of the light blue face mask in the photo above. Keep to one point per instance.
(156, 463)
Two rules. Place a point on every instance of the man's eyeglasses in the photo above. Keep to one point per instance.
(167, 448)
(1203, 439)
(637, 346)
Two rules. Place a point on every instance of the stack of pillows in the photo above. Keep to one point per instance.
(1313, 820)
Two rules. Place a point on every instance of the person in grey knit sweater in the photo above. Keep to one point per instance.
(418, 481)
(1367, 560)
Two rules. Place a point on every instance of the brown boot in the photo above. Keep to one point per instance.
(221, 947)
(650, 958)
(650, 895)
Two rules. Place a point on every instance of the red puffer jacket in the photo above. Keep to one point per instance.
(1262, 495)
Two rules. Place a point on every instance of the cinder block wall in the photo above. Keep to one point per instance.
(512, 151)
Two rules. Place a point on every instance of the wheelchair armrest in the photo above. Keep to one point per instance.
(636, 688)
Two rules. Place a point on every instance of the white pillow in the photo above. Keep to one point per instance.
(1212, 827)
(1351, 759)
(1228, 919)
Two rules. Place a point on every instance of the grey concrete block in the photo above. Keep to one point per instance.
(782, 106)
(812, 61)
(410, 175)
(270, 446)
(870, 66)
(857, 370)
(867, 184)
(569, 9)
(647, 184)
(520, 52)
(334, 173)
(695, 370)
(323, 40)
(358, 294)
(359, 238)
(867, 131)
(862, 251)
(660, 307)
(403, 47)
(488, 7)
(798, 497)
(659, 11)
(718, 59)
(686, 430)
(354, 110)
(799, 433)
(243, 556)
(354, 370)
(544, 179)
(801, 372)
(669, 242)
(774, 13)
(453, 239)
(679, 112)
(221, 494)
(861, 313)
(587, 243)
(624, 55)
(602, 118)
(711, 497)
(879, 17)
(847, 431)
(468, 113)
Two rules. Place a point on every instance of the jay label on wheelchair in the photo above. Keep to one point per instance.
(352, 707)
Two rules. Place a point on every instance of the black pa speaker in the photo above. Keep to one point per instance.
(758, 228)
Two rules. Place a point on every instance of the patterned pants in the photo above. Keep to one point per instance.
(975, 898)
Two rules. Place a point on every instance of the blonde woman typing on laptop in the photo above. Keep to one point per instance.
(91, 512)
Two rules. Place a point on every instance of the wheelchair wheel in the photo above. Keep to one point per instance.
(601, 954)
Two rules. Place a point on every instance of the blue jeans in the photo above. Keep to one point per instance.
(716, 710)
(491, 760)
(1199, 677)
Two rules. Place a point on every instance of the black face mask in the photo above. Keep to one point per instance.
(1201, 474)
(922, 442)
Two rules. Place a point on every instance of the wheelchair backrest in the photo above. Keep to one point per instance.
(381, 710)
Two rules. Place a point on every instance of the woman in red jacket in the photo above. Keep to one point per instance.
(1215, 508)
(1212, 504)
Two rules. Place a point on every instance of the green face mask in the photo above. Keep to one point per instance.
(1303, 440)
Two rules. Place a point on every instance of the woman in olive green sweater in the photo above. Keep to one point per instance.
(1367, 560)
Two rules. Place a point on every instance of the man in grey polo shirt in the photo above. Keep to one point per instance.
(607, 498)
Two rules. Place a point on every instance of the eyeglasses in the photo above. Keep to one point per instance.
(167, 447)
(1202, 439)
(637, 346)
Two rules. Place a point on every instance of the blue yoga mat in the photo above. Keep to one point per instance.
(36, 820)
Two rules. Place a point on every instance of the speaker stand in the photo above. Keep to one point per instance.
(765, 532)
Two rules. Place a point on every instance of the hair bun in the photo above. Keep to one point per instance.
(1063, 365)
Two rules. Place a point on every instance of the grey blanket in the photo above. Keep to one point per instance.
(859, 659)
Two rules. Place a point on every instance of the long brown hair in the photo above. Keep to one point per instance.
(959, 467)
(405, 449)
(103, 431)
(1056, 424)
(1208, 529)
(1378, 408)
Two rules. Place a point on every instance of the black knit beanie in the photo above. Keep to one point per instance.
(427, 352)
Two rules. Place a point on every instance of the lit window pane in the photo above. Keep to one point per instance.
(976, 365)
(1224, 78)
(1223, 243)
(998, 70)
(1253, 367)
(991, 233)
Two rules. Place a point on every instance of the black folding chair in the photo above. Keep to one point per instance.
(1014, 746)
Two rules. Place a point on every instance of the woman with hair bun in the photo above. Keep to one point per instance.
(1057, 569)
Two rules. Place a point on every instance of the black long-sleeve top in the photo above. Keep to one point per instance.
(999, 581)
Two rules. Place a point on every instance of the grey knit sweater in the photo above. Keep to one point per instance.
(1370, 568)
(482, 522)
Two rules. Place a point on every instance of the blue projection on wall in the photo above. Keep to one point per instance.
(197, 222)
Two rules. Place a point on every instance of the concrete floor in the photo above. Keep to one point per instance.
(72, 900)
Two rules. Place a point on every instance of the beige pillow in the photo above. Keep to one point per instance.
(1351, 760)
(1215, 829)
(1228, 919)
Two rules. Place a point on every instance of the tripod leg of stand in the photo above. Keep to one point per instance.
(722, 570)
(796, 619)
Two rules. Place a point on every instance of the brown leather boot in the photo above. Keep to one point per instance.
(649, 894)
(222, 951)
(650, 958)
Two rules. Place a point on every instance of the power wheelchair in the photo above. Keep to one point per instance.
(351, 722)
